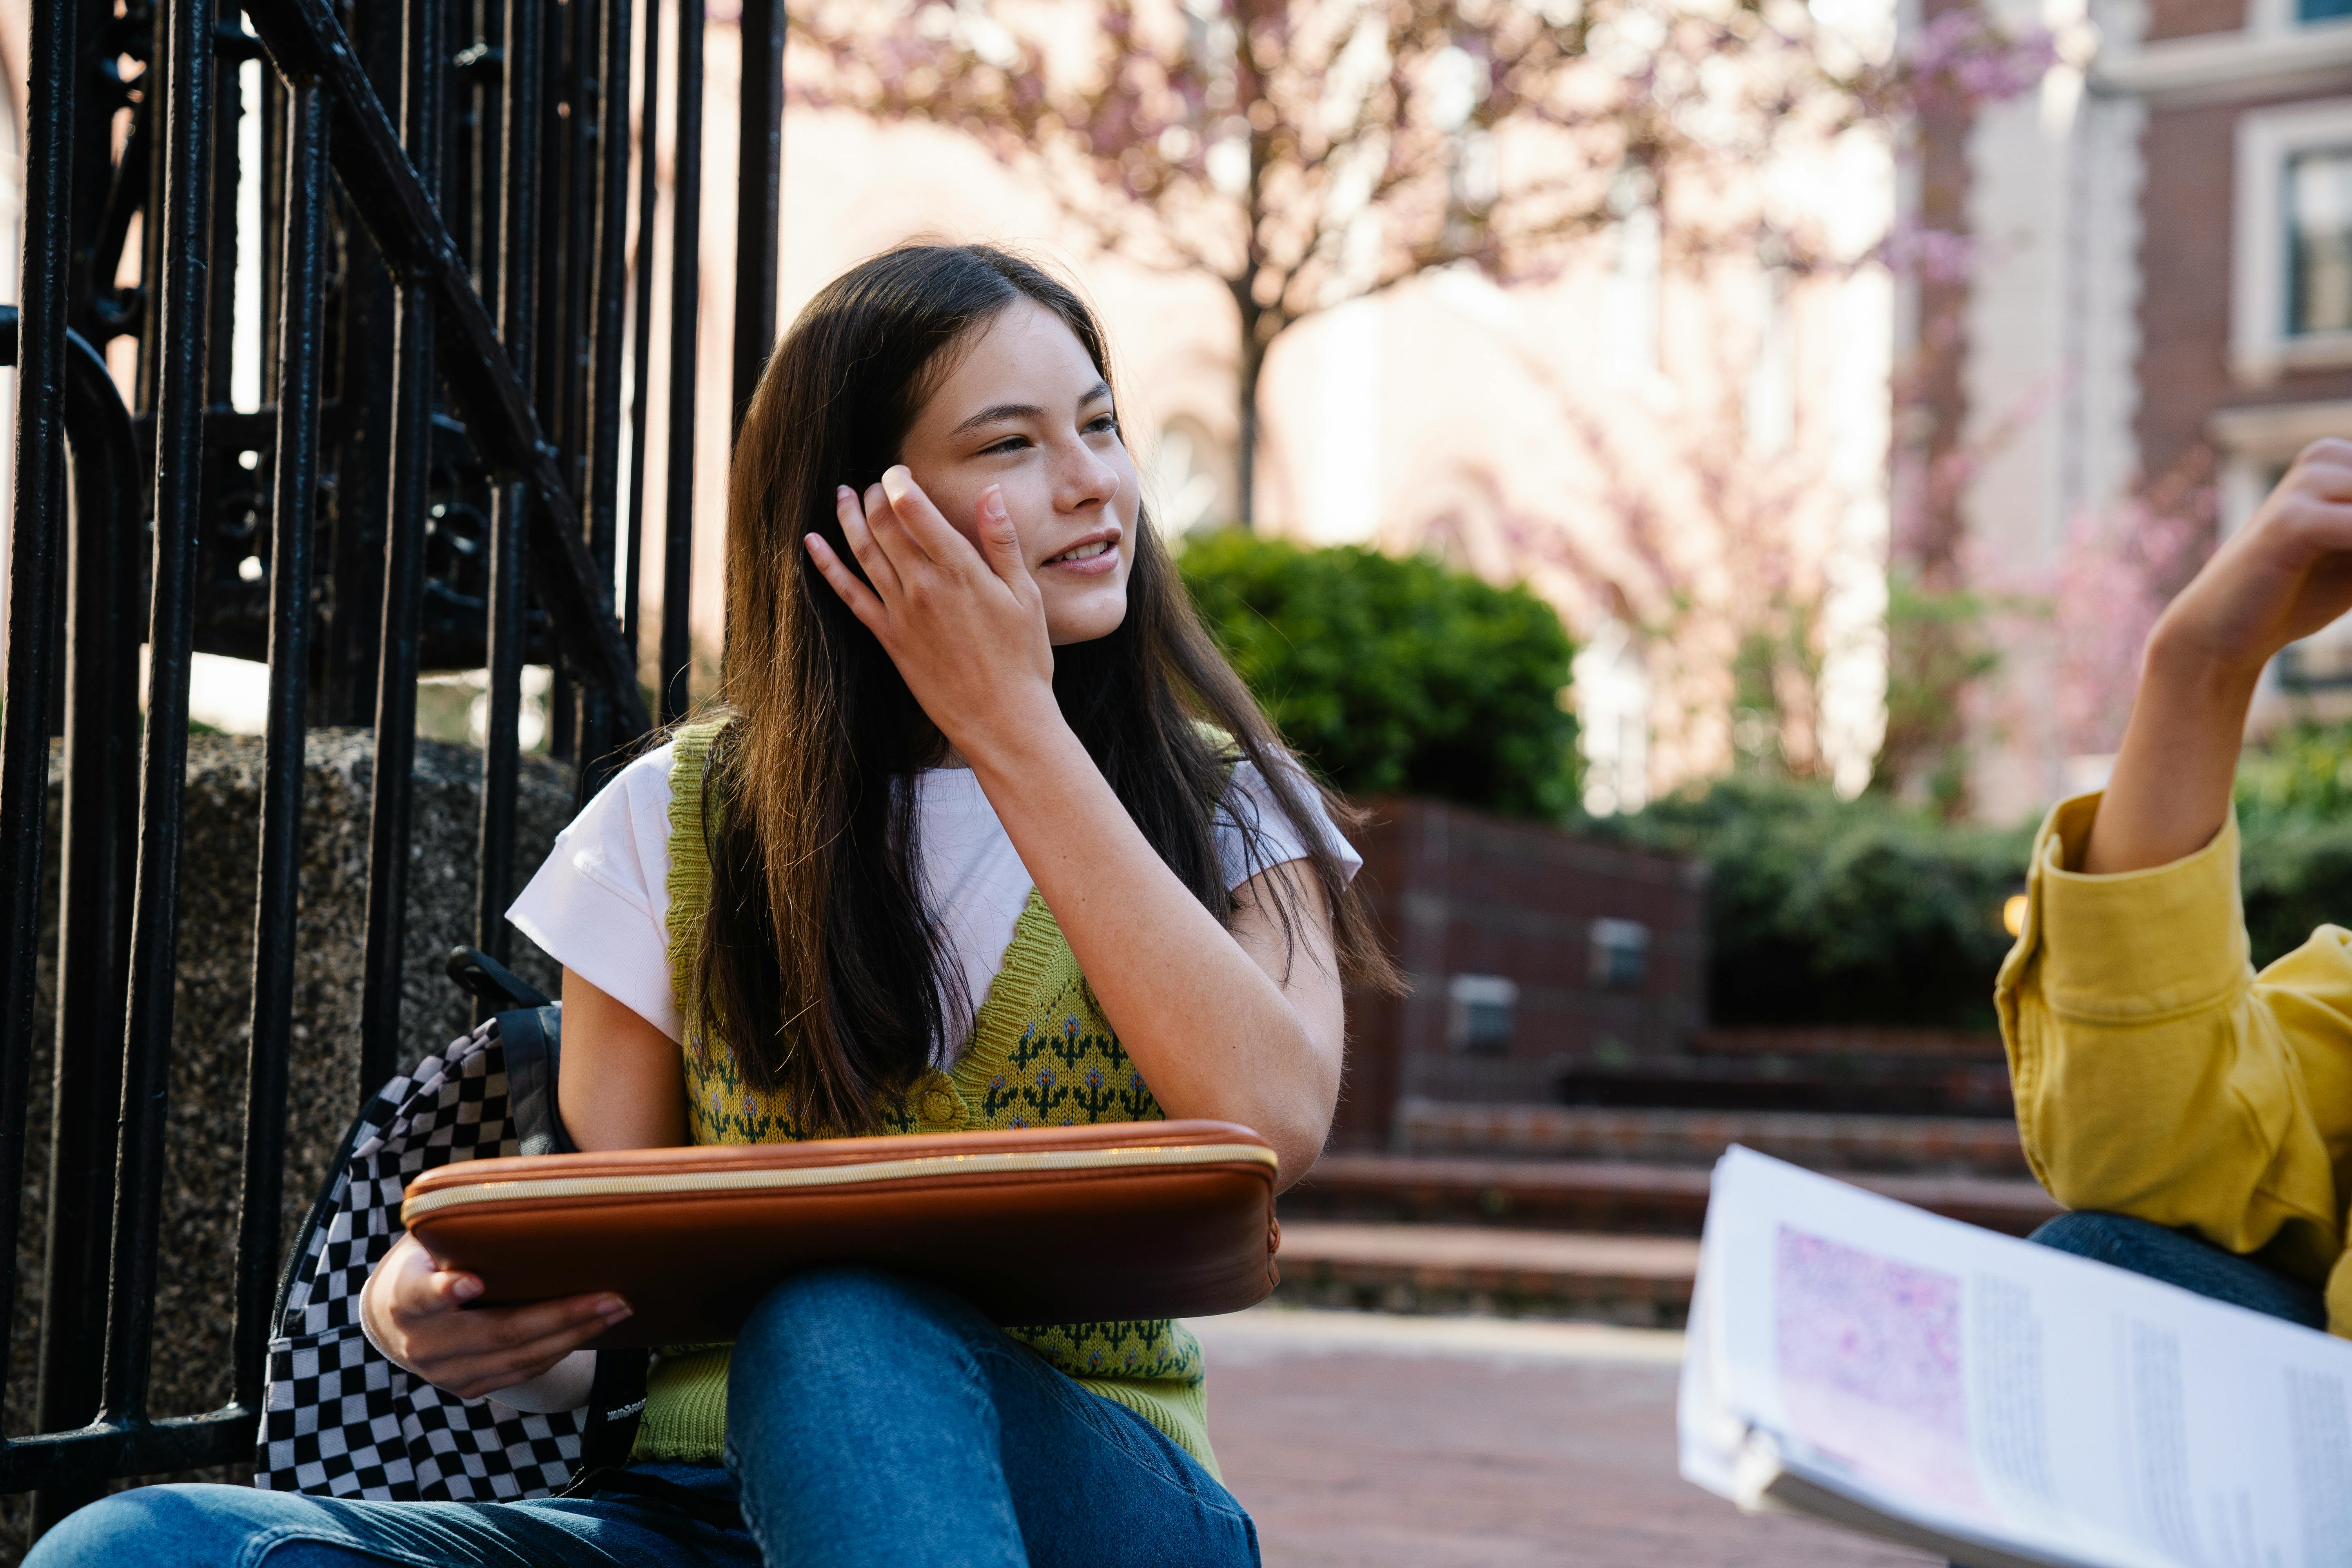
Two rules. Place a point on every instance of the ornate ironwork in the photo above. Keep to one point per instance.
(432, 481)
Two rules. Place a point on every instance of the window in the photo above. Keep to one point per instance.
(2274, 18)
(1187, 479)
(1481, 1013)
(1632, 319)
(2319, 241)
(1619, 954)
(1770, 406)
(1611, 689)
(2291, 263)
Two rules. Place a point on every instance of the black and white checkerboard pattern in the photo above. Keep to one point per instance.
(341, 1420)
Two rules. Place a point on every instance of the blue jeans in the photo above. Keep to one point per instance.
(2178, 1258)
(870, 1421)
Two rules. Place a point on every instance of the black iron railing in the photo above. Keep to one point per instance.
(453, 301)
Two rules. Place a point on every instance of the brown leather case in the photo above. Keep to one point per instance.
(1143, 1219)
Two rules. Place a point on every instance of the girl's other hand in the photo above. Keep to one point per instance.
(411, 1307)
(2282, 577)
(965, 626)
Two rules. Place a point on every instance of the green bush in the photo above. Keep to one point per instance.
(2294, 877)
(1830, 911)
(2299, 778)
(1397, 676)
(2294, 806)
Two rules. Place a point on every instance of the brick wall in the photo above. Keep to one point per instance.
(1458, 892)
(2181, 18)
(2184, 310)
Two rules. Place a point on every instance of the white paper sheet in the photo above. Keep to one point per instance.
(1961, 1389)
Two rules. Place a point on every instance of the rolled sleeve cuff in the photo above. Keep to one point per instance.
(2136, 945)
(599, 934)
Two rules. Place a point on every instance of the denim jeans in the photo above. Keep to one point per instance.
(2178, 1258)
(870, 1421)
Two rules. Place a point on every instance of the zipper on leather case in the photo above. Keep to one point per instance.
(1012, 1163)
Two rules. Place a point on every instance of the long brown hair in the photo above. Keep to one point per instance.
(819, 967)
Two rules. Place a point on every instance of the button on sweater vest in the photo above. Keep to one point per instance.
(1041, 1055)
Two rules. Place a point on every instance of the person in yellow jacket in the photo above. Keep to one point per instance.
(2196, 1114)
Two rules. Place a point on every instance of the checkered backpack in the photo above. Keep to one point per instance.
(341, 1420)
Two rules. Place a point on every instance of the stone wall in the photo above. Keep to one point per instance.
(212, 998)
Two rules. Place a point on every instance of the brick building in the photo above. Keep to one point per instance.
(2159, 302)
(2246, 321)
(1527, 950)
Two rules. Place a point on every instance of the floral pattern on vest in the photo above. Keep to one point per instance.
(1041, 1055)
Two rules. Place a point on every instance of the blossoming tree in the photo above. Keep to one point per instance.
(1306, 152)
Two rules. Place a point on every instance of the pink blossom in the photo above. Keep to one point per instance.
(1963, 60)
(1930, 254)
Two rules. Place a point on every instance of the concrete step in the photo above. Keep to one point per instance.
(1603, 1195)
(1877, 1086)
(1640, 1280)
(1859, 1071)
(1852, 1043)
(1822, 1141)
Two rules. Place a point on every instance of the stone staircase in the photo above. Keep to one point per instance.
(1822, 1141)
(1640, 1280)
(1591, 1207)
(1603, 1196)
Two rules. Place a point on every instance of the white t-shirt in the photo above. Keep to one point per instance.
(597, 907)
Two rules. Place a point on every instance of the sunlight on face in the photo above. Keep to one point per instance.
(1025, 408)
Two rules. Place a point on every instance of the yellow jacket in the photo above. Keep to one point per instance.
(2159, 1075)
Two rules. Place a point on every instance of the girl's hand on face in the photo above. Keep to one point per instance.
(411, 1306)
(2282, 577)
(966, 628)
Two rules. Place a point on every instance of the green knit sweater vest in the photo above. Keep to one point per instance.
(1041, 1055)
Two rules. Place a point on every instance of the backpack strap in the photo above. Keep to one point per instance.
(616, 1403)
(532, 1039)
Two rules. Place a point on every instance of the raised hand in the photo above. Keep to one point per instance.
(2284, 575)
(965, 626)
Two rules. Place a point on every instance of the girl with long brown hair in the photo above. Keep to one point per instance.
(985, 833)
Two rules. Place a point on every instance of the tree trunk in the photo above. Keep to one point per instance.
(1936, 647)
(1251, 364)
(1246, 449)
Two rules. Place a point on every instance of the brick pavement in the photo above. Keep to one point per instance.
(1362, 1441)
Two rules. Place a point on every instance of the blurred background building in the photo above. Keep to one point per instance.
(2151, 313)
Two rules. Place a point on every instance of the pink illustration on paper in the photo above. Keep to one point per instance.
(1871, 1371)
